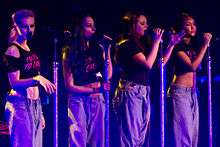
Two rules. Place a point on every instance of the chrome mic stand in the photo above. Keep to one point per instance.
(162, 100)
(55, 96)
(209, 68)
(105, 43)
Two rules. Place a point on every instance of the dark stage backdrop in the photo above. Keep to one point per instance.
(54, 16)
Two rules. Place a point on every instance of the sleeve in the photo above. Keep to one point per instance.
(133, 49)
(180, 47)
(11, 63)
(66, 54)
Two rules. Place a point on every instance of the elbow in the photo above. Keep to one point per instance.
(193, 69)
(149, 66)
(14, 85)
(68, 87)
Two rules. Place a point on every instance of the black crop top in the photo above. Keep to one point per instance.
(28, 63)
(191, 53)
(131, 70)
(87, 66)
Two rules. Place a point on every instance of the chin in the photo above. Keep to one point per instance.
(142, 34)
(193, 34)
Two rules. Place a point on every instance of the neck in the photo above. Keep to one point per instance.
(23, 44)
(187, 40)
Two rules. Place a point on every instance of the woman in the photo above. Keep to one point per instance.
(187, 58)
(83, 67)
(23, 107)
(133, 92)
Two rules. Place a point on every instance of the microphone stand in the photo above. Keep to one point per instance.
(106, 94)
(55, 95)
(209, 98)
(162, 100)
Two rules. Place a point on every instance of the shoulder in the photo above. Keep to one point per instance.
(13, 51)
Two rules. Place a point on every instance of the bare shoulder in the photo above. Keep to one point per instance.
(13, 51)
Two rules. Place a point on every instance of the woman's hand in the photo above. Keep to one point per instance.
(207, 38)
(106, 86)
(176, 38)
(43, 123)
(158, 33)
(98, 88)
(47, 85)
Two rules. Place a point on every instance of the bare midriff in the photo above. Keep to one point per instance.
(185, 79)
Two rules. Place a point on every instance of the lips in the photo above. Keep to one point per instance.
(192, 33)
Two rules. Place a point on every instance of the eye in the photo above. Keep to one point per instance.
(32, 25)
(89, 25)
(187, 24)
(27, 26)
(143, 23)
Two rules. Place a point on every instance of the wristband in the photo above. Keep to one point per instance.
(36, 79)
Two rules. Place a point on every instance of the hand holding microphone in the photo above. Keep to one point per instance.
(206, 39)
(157, 34)
(175, 38)
(105, 43)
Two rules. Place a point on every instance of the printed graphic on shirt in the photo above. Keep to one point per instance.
(32, 62)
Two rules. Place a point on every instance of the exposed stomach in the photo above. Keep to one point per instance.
(185, 79)
(33, 93)
(93, 85)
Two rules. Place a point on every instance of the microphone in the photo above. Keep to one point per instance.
(105, 41)
(67, 34)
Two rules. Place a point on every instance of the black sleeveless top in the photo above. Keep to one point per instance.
(189, 49)
(87, 65)
(28, 63)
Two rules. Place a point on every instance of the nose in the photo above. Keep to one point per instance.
(28, 28)
(146, 26)
(94, 28)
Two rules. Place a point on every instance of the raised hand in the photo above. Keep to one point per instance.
(176, 38)
(158, 33)
(207, 38)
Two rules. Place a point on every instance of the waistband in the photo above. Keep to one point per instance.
(123, 81)
(80, 95)
(189, 89)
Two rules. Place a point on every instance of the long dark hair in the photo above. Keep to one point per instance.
(179, 21)
(78, 45)
(178, 27)
(132, 29)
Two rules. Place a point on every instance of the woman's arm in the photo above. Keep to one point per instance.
(108, 60)
(174, 40)
(193, 65)
(148, 61)
(69, 80)
(16, 82)
(14, 77)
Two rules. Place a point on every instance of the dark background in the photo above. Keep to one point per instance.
(54, 16)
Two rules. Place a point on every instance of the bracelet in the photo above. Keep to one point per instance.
(36, 79)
